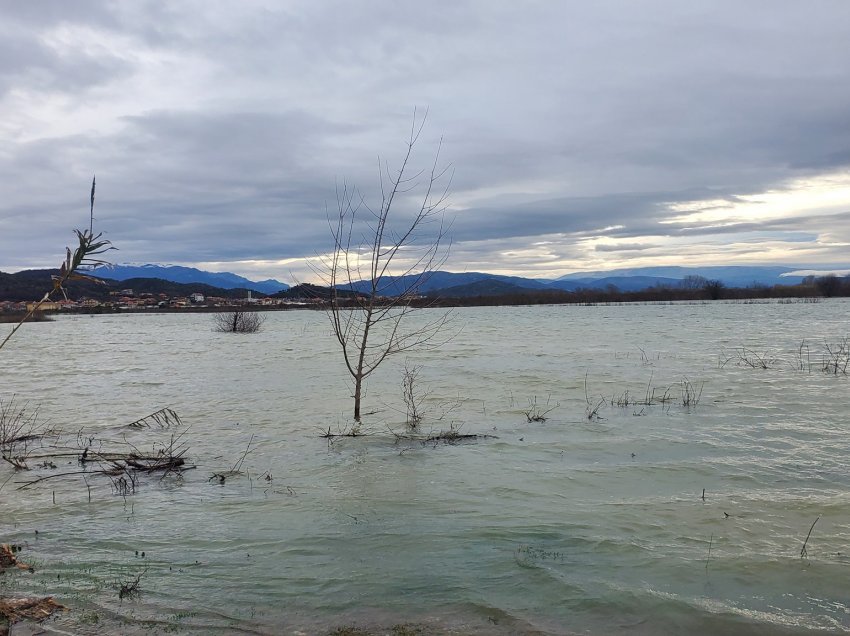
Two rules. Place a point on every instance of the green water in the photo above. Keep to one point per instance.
(569, 525)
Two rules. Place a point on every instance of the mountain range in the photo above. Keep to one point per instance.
(177, 280)
(179, 274)
(452, 284)
(482, 283)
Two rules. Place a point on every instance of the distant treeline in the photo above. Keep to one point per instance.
(31, 285)
(812, 287)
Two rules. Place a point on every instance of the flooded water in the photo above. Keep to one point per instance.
(575, 524)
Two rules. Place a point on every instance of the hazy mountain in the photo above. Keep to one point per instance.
(466, 284)
(178, 274)
(449, 284)
(622, 283)
(731, 276)
(439, 280)
(485, 287)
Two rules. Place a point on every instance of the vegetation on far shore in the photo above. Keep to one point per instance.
(307, 296)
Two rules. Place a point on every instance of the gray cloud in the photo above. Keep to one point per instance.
(626, 247)
(218, 131)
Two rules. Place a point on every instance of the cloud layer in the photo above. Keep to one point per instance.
(581, 135)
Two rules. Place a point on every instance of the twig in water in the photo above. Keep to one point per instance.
(710, 541)
(238, 465)
(128, 588)
(803, 552)
(591, 411)
(535, 413)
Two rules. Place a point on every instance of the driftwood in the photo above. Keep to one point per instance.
(121, 467)
(454, 436)
(35, 609)
(9, 560)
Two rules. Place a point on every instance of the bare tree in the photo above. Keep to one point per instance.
(714, 289)
(828, 285)
(380, 261)
(238, 322)
(693, 281)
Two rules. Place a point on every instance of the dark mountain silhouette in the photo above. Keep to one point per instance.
(32, 284)
(179, 274)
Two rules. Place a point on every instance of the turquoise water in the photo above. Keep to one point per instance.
(568, 525)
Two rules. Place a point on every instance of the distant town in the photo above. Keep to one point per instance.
(21, 292)
(127, 299)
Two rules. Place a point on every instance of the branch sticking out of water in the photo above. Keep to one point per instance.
(164, 418)
(236, 469)
(537, 413)
(129, 588)
(804, 553)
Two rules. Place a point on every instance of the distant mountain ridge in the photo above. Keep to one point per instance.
(31, 284)
(729, 275)
(449, 284)
(180, 274)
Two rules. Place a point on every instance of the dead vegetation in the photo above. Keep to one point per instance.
(832, 358)
(35, 609)
(691, 394)
(8, 559)
(664, 396)
(163, 418)
(804, 553)
(13, 610)
(86, 257)
(20, 429)
(118, 460)
(412, 396)
(450, 435)
(236, 469)
(130, 587)
(238, 322)
(539, 413)
(354, 430)
(745, 357)
(836, 357)
(380, 261)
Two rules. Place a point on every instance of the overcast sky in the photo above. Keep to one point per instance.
(581, 135)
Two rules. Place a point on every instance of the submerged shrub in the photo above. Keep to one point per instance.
(238, 322)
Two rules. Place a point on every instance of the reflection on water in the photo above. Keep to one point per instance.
(561, 526)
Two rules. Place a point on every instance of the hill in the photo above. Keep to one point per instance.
(31, 284)
(729, 275)
(179, 274)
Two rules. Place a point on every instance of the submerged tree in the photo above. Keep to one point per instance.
(238, 322)
(384, 256)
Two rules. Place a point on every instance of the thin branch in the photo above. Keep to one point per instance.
(804, 553)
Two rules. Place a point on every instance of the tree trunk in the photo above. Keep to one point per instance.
(358, 383)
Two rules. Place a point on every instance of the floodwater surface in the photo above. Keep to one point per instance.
(681, 455)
